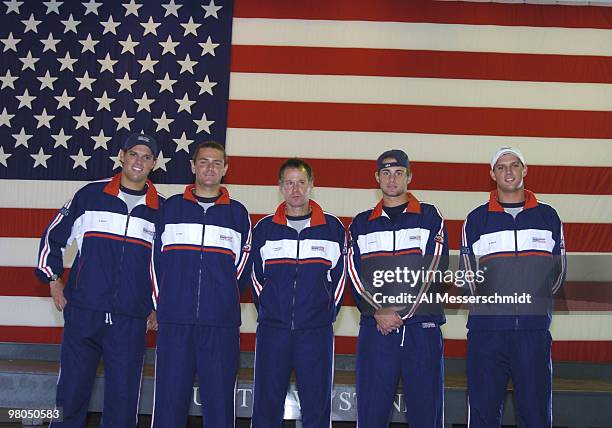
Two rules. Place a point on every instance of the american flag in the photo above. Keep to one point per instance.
(336, 82)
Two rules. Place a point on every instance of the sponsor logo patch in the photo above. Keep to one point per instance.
(428, 325)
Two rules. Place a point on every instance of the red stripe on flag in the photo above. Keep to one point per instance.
(24, 222)
(576, 296)
(415, 63)
(468, 177)
(419, 119)
(580, 237)
(430, 11)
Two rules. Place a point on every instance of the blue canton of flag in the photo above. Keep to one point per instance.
(78, 77)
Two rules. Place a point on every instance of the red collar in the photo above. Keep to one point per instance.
(530, 201)
(188, 194)
(413, 207)
(113, 187)
(317, 218)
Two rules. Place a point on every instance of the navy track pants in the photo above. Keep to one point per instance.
(496, 356)
(183, 350)
(415, 353)
(310, 352)
(88, 335)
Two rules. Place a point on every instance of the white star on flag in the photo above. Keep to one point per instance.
(171, 8)
(70, 24)
(8, 81)
(82, 120)
(128, 45)
(150, 27)
(91, 7)
(31, 24)
(147, 64)
(29, 62)
(67, 62)
(206, 86)
(144, 103)
(64, 100)
(25, 100)
(13, 6)
(44, 119)
(191, 27)
(203, 124)
(184, 104)
(85, 81)
(10, 43)
(49, 44)
(211, 10)
(47, 81)
(40, 158)
(104, 102)
(182, 143)
(80, 160)
(187, 65)
(168, 46)
(22, 138)
(110, 26)
(101, 140)
(4, 157)
(163, 122)
(166, 84)
(52, 6)
(123, 121)
(161, 162)
(131, 8)
(107, 63)
(208, 47)
(61, 139)
(5, 118)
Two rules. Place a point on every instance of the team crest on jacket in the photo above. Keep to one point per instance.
(439, 238)
(64, 211)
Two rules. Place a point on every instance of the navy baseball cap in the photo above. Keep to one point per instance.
(144, 139)
(401, 159)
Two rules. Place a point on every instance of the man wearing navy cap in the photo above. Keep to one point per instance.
(517, 242)
(405, 340)
(107, 300)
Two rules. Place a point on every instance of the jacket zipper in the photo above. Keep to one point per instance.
(516, 318)
(127, 223)
(297, 264)
(200, 271)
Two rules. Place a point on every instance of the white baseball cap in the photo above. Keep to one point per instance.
(507, 150)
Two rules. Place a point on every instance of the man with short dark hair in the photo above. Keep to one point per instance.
(298, 280)
(108, 296)
(398, 341)
(517, 242)
(201, 250)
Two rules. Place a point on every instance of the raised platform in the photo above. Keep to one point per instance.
(578, 403)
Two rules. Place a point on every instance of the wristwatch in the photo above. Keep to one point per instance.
(53, 277)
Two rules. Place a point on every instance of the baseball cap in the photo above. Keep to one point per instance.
(401, 159)
(144, 139)
(504, 150)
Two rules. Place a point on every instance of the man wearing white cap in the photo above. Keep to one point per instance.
(516, 242)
